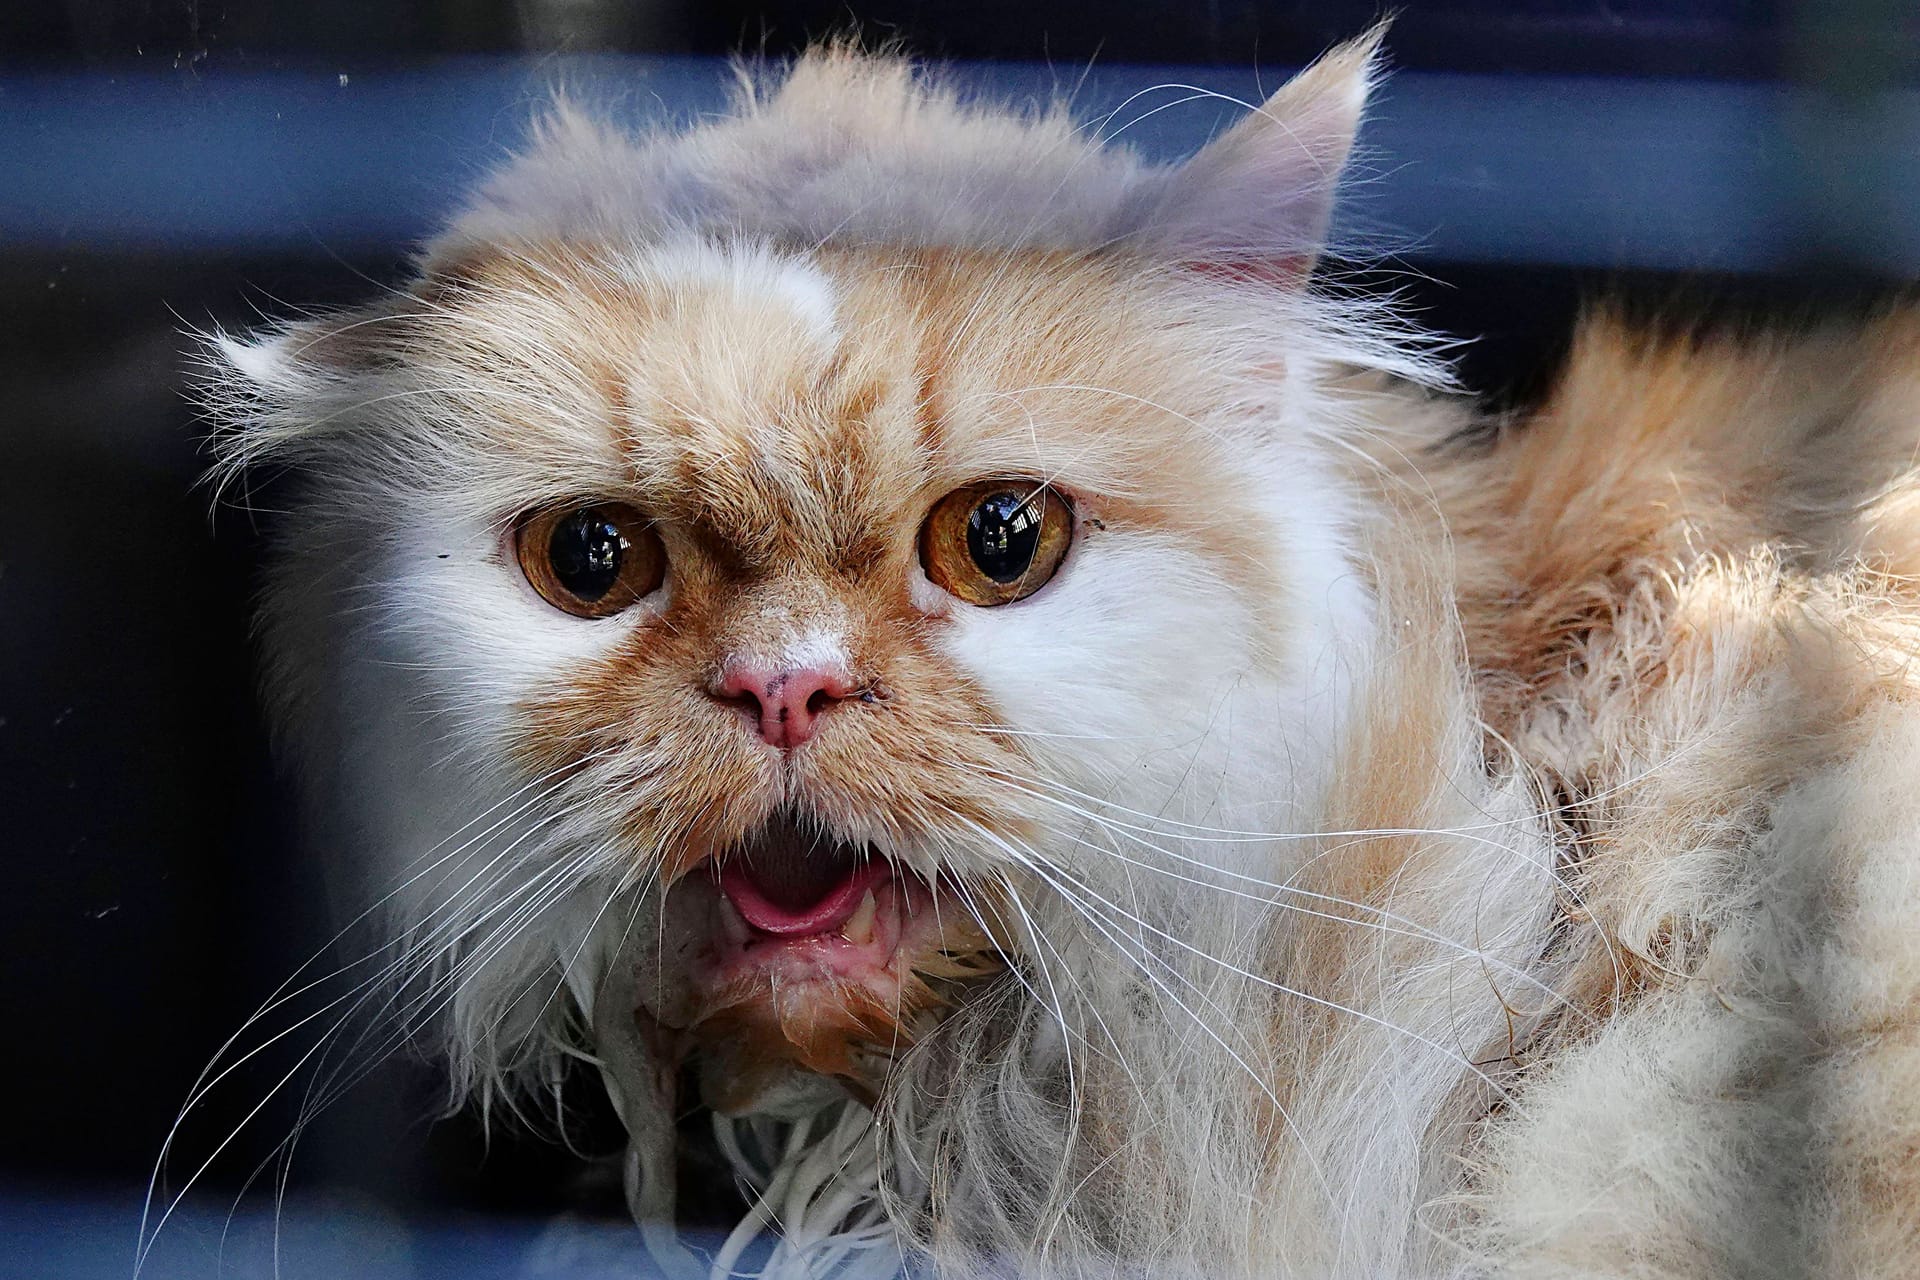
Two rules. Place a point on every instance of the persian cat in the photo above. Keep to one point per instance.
(954, 650)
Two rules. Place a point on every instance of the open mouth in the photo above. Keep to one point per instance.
(799, 905)
(815, 952)
(785, 885)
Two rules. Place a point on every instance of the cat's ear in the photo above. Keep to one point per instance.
(1256, 200)
(246, 376)
(287, 358)
(265, 361)
(267, 394)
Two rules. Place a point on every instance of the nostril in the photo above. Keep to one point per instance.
(741, 694)
(783, 705)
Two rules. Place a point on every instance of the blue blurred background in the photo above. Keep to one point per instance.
(168, 164)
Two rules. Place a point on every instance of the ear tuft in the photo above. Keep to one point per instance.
(1255, 202)
(261, 360)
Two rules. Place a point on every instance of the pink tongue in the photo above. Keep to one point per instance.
(823, 916)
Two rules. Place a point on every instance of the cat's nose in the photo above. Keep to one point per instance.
(785, 703)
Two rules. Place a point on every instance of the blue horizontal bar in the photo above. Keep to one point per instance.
(55, 1235)
(1513, 169)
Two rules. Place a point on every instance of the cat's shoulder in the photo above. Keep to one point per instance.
(1686, 584)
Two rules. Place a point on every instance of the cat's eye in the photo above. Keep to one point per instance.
(996, 541)
(593, 560)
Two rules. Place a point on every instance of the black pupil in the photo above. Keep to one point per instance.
(585, 552)
(1003, 532)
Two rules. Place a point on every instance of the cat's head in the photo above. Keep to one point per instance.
(775, 560)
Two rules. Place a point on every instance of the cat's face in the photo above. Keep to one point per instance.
(823, 584)
(799, 606)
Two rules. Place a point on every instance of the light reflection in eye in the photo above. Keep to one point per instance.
(990, 543)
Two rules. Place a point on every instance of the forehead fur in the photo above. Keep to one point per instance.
(751, 395)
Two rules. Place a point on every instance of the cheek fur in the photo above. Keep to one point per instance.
(1119, 648)
(455, 608)
(1144, 676)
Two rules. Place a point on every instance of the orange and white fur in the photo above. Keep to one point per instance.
(1390, 844)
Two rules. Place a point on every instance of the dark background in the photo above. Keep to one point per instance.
(153, 890)
(1719, 38)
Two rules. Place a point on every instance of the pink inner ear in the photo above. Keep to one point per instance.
(1288, 271)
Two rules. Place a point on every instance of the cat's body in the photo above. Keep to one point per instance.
(1371, 847)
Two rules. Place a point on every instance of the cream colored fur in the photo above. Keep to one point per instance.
(1416, 853)
(1724, 710)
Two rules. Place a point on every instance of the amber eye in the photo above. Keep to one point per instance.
(996, 541)
(592, 561)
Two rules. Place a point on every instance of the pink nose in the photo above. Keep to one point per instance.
(784, 704)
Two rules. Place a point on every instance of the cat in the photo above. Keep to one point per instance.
(1074, 738)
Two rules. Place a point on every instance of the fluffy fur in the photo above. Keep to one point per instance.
(1407, 851)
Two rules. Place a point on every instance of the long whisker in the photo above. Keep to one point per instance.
(1040, 869)
(412, 955)
(1231, 835)
(1134, 832)
(1411, 928)
(550, 886)
(281, 996)
(1468, 832)
(1452, 1055)
(324, 1089)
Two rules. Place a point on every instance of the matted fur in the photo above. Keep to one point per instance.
(1409, 853)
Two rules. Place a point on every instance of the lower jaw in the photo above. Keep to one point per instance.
(761, 1008)
(847, 1034)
